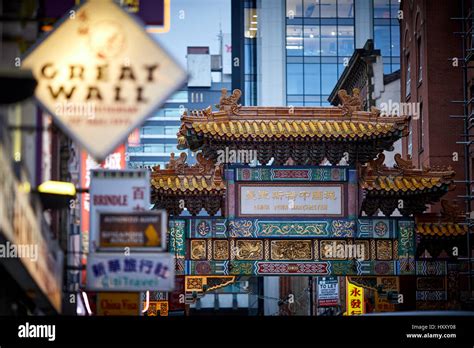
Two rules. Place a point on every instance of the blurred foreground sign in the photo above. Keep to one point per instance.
(133, 272)
(114, 191)
(137, 230)
(101, 75)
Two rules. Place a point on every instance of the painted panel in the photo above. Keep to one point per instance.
(406, 247)
(291, 250)
(304, 268)
(376, 228)
(295, 174)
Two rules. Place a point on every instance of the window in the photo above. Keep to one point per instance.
(345, 39)
(311, 8)
(171, 130)
(153, 148)
(395, 41)
(179, 97)
(381, 8)
(345, 8)
(294, 40)
(408, 77)
(311, 41)
(294, 77)
(328, 40)
(328, 8)
(328, 77)
(382, 40)
(312, 79)
(410, 139)
(294, 8)
(420, 59)
(421, 133)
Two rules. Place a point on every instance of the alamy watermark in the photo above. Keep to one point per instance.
(392, 108)
(336, 250)
(229, 156)
(28, 330)
(29, 251)
(86, 109)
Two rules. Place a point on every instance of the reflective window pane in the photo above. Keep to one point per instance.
(312, 79)
(394, 7)
(294, 78)
(311, 41)
(294, 40)
(328, 8)
(294, 8)
(345, 8)
(328, 40)
(311, 8)
(395, 41)
(382, 8)
(346, 40)
(382, 39)
(328, 77)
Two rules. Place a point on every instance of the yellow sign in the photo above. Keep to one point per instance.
(354, 299)
(118, 303)
(152, 236)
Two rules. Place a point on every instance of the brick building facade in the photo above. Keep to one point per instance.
(432, 79)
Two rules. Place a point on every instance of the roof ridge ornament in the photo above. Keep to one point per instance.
(377, 165)
(178, 166)
(451, 210)
(230, 103)
(350, 103)
(402, 163)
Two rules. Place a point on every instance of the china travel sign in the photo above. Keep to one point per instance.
(101, 75)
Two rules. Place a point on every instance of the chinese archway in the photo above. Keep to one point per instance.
(317, 185)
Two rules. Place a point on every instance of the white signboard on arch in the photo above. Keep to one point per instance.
(101, 75)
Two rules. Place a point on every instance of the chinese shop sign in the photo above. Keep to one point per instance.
(114, 191)
(135, 272)
(142, 230)
(101, 75)
(291, 200)
(328, 291)
(354, 299)
(118, 303)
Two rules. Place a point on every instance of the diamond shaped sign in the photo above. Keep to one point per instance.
(100, 75)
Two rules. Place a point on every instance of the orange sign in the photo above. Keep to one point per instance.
(118, 303)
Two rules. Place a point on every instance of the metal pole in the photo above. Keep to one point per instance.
(311, 299)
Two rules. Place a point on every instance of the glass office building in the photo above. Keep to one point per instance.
(387, 33)
(307, 52)
(321, 36)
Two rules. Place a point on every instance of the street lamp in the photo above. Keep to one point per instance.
(56, 194)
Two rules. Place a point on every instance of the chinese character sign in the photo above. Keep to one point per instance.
(354, 299)
(294, 200)
(134, 272)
